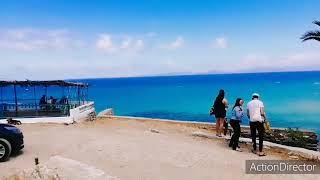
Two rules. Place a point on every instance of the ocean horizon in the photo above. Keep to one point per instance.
(292, 99)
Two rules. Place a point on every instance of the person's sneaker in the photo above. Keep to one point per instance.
(238, 149)
(254, 151)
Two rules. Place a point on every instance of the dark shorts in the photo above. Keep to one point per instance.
(221, 114)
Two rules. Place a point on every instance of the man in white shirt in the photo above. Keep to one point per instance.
(257, 116)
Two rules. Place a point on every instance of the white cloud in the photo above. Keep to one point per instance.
(178, 43)
(28, 39)
(125, 60)
(105, 43)
(307, 56)
(134, 48)
(139, 44)
(257, 62)
(220, 43)
(121, 45)
(47, 66)
(151, 34)
(126, 43)
(130, 44)
(299, 60)
(19, 33)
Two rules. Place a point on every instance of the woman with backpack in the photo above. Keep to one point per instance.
(236, 118)
(220, 111)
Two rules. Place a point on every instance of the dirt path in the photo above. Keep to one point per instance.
(128, 149)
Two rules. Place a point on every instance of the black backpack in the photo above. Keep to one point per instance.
(212, 111)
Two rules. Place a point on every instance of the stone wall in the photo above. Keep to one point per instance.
(106, 112)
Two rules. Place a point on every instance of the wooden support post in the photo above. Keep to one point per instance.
(15, 99)
(87, 94)
(1, 94)
(82, 95)
(79, 95)
(46, 92)
(2, 105)
(46, 105)
(35, 100)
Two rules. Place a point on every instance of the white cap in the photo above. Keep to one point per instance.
(255, 94)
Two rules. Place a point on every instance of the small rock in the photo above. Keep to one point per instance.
(294, 157)
(154, 130)
(203, 135)
(290, 153)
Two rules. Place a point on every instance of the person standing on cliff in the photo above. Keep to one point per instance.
(220, 110)
(236, 119)
(257, 117)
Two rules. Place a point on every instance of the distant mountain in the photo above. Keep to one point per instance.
(174, 74)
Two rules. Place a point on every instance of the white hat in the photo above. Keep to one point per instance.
(255, 94)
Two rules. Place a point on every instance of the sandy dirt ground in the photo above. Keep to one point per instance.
(127, 149)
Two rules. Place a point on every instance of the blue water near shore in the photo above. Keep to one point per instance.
(291, 99)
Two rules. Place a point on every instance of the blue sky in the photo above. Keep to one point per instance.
(81, 39)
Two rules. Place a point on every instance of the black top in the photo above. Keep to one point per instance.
(219, 107)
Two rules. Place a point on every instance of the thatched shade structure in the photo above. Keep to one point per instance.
(43, 83)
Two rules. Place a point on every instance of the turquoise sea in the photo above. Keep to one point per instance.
(292, 99)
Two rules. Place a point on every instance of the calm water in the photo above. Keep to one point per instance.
(291, 99)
